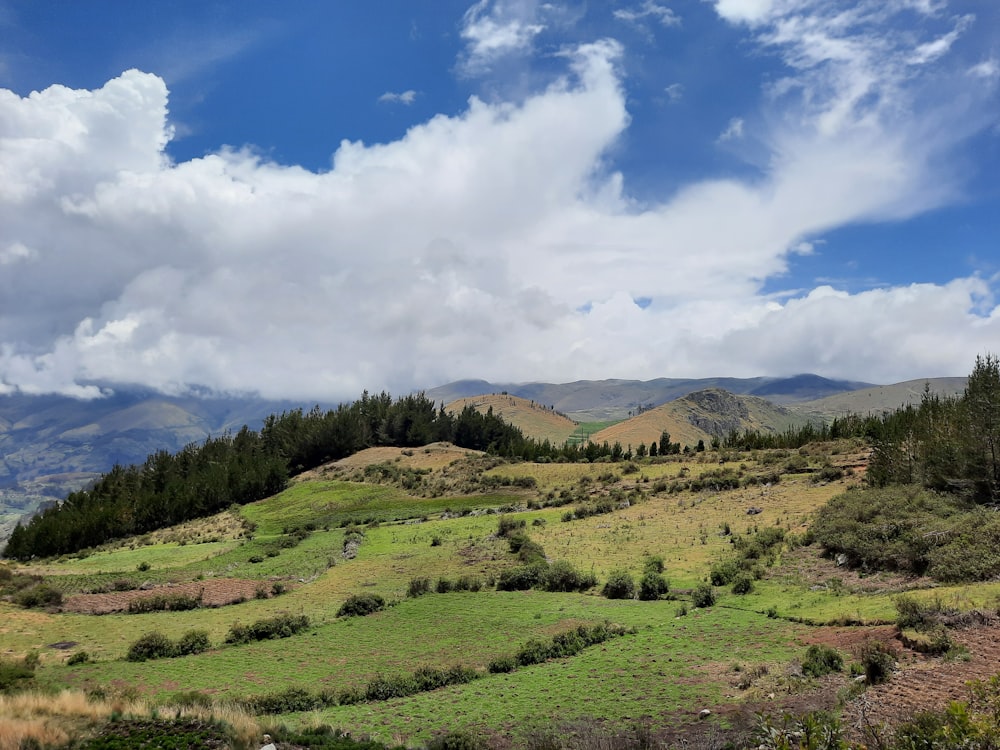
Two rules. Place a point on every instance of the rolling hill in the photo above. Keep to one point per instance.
(533, 419)
(702, 415)
(880, 398)
(607, 400)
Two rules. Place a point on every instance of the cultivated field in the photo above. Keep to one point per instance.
(380, 521)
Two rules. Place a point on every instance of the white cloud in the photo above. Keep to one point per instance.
(493, 243)
(986, 69)
(493, 29)
(733, 131)
(675, 91)
(402, 97)
(649, 10)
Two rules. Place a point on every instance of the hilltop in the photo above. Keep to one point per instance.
(702, 415)
(614, 399)
(879, 399)
(533, 419)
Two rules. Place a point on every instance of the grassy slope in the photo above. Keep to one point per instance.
(670, 665)
(532, 419)
(879, 399)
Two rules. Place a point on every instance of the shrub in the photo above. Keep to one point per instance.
(17, 674)
(359, 605)
(878, 661)
(743, 584)
(653, 564)
(522, 578)
(143, 566)
(40, 595)
(703, 596)
(530, 552)
(418, 587)
(821, 660)
(455, 741)
(165, 603)
(652, 586)
(562, 576)
(443, 586)
(153, 645)
(507, 525)
(723, 573)
(281, 626)
(502, 665)
(192, 642)
(620, 585)
(468, 583)
(79, 657)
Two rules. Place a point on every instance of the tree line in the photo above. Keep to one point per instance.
(202, 479)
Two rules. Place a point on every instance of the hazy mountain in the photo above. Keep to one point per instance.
(880, 398)
(598, 400)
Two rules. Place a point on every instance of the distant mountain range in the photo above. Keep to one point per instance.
(605, 400)
(51, 445)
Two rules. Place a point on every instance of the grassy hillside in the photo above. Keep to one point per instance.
(700, 416)
(392, 523)
(533, 419)
(878, 399)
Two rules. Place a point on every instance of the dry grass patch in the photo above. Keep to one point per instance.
(534, 420)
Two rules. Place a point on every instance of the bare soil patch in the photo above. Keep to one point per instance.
(808, 566)
(215, 592)
(925, 683)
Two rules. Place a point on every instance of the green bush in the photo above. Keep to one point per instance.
(17, 674)
(418, 587)
(41, 595)
(530, 552)
(620, 585)
(653, 564)
(877, 660)
(723, 573)
(192, 642)
(164, 603)
(562, 576)
(522, 578)
(502, 665)
(153, 645)
(703, 596)
(281, 626)
(821, 660)
(743, 584)
(359, 605)
(455, 740)
(78, 657)
(652, 586)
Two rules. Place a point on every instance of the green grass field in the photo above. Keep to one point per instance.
(670, 668)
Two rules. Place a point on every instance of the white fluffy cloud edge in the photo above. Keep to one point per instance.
(494, 243)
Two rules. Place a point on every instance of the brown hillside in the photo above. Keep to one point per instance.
(534, 420)
(882, 398)
(701, 416)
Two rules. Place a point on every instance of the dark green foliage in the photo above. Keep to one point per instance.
(743, 584)
(508, 525)
(816, 730)
(562, 576)
(41, 595)
(359, 605)
(164, 603)
(703, 595)
(912, 530)
(153, 645)
(78, 657)
(877, 660)
(523, 577)
(653, 564)
(281, 626)
(531, 552)
(566, 644)
(652, 586)
(620, 585)
(176, 734)
(17, 674)
(192, 642)
(502, 665)
(821, 660)
(724, 572)
(455, 741)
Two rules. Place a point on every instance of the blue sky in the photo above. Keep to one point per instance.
(310, 199)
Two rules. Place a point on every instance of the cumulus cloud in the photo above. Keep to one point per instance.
(402, 97)
(496, 242)
(493, 29)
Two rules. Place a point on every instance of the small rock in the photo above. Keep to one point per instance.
(704, 713)
(841, 560)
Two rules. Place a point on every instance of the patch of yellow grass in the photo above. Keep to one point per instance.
(52, 719)
(534, 420)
